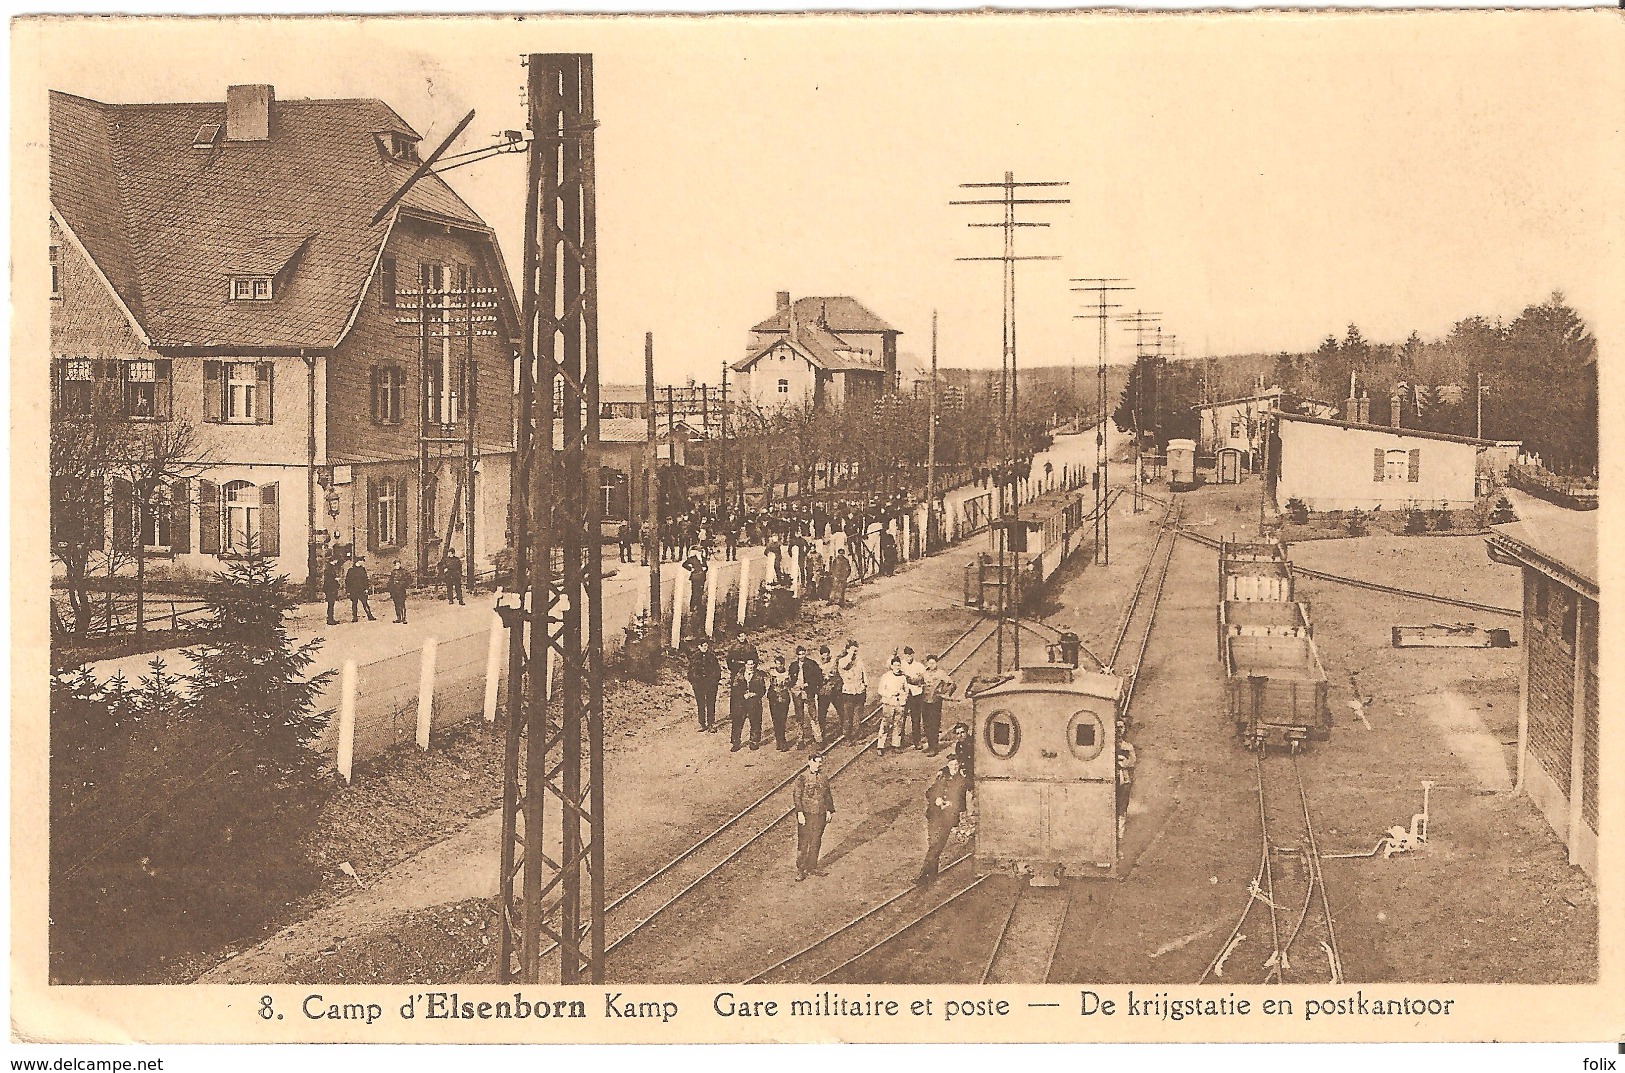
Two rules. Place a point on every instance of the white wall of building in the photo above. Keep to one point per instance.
(1333, 468)
(762, 383)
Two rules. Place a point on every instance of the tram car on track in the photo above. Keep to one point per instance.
(1275, 691)
(1046, 777)
(1044, 534)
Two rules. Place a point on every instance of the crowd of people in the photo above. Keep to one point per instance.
(815, 700)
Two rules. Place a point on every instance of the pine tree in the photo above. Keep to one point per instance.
(247, 673)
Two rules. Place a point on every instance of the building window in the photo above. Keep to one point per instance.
(147, 390)
(386, 283)
(240, 518)
(784, 387)
(386, 494)
(388, 393)
(156, 521)
(242, 391)
(1569, 619)
(56, 271)
(1396, 466)
(76, 390)
(1235, 428)
(251, 288)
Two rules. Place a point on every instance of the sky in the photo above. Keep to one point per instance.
(1260, 180)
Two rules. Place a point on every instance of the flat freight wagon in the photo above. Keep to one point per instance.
(1262, 618)
(1275, 691)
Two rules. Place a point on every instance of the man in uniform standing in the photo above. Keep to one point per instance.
(357, 586)
(806, 680)
(451, 572)
(399, 581)
(840, 572)
(705, 674)
(815, 806)
(944, 804)
(330, 587)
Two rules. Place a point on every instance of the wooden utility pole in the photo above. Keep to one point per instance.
(931, 446)
(1010, 410)
(1098, 286)
(650, 533)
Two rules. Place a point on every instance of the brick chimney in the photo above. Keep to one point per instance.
(1351, 407)
(1395, 401)
(248, 113)
(1365, 408)
(784, 301)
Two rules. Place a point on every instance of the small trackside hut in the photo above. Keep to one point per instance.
(1047, 774)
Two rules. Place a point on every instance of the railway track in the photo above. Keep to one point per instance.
(1287, 901)
(1140, 617)
(1025, 949)
(873, 929)
(634, 910)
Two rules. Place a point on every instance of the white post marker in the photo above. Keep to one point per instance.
(795, 571)
(903, 553)
(493, 660)
(426, 692)
(346, 719)
(678, 605)
(711, 601)
(744, 588)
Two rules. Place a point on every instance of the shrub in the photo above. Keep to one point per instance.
(1414, 522)
(1357, 524)
(1297, 511)
(1442, 521)
(1503, 512)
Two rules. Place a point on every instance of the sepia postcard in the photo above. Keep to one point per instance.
(800, 528)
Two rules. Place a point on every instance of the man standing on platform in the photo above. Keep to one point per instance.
(357, 586)
(330, 587)
(840, 572)
(399, 581)
(451, 572)
(815, 806)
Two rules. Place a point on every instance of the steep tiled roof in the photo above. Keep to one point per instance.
(838, 313)
(823, 349)
(168, 223)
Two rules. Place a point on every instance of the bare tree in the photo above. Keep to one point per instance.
(160, 458)
(84, 447)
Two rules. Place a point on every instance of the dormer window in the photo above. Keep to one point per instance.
(251, 288)
(397, 146)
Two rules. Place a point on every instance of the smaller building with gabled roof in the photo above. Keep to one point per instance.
(1352, 465)
(825, 351)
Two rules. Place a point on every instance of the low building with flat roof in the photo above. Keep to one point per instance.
(1558, 764)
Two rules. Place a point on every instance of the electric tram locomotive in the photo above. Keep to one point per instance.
(1047, 773)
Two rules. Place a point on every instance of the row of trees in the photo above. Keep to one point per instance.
(1538, 377)
(886, 440)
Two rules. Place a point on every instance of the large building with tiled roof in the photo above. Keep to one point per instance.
(826, 351)
(217, 262)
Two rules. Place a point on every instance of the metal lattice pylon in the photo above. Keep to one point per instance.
(553, 764)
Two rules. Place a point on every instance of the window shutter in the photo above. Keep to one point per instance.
(270, 521)
(208, 517)
(180, 518)
(372, 517)
(1378, 467)
(123, 515)
(162, 390)
(1416, 466)
(213, 391)
(265, 383)
(377, 410)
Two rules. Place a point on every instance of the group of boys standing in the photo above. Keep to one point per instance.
(822, 699)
